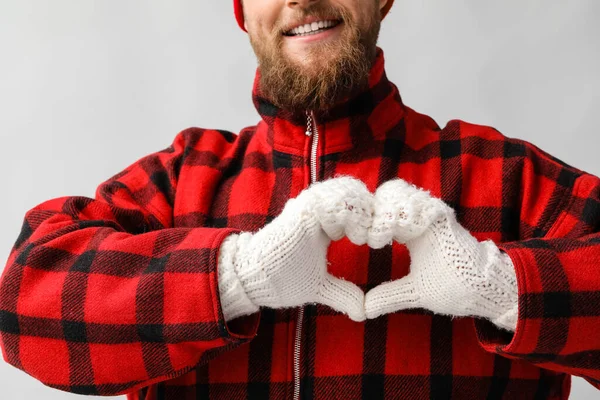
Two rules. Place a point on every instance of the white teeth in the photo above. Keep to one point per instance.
(312, 27)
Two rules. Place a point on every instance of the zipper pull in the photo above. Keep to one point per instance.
(309, 127)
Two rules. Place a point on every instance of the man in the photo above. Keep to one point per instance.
(236, 266)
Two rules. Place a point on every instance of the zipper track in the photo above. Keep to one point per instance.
(315, 144)
(297, 347)
(311, 130)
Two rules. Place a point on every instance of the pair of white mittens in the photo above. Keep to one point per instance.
(285, 263)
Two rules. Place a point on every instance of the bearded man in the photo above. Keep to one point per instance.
(344, 247)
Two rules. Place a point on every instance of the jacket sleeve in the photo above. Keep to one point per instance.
(103, 296)
(558, 272)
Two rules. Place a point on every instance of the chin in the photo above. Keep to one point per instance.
(314, 61)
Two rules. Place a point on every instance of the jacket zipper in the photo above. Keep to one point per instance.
(311, 124)
(311, 130)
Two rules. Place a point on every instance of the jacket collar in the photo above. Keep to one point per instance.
(367, 116)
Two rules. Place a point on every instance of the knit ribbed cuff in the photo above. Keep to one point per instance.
(506, 295)
(234, 300)
(508, 320)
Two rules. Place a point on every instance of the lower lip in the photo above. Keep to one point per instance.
(317, 36)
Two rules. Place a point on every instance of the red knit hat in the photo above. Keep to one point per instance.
(239, 15)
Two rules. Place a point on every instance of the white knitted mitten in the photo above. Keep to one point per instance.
(451, 272)
(285, 263)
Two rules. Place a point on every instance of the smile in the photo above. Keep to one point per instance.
(313, 28)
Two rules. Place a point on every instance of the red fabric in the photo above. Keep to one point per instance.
(239, 13)
(118, 293)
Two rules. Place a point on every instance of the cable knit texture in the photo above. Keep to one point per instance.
(285, 263)
(451, 272)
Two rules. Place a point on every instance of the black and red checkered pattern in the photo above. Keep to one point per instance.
(118, 294)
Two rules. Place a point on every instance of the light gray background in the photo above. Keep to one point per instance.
(88, 87)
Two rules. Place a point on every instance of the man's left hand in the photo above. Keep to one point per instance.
(451, 272)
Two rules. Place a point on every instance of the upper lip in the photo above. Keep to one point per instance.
(308, 20)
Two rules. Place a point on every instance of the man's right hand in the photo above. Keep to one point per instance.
(285, 263)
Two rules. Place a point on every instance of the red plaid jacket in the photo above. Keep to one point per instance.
(118, 293)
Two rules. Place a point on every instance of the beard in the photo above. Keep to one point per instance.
(332, 71)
